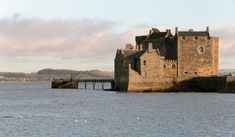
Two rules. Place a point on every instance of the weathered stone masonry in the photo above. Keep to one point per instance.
(161, 61)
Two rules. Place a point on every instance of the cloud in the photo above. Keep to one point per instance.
(22, 37)
(129, 35)
(227, 46)
(89, 41)
(227, 40)
(58, 38)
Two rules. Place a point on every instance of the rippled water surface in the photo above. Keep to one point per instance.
(35, 110)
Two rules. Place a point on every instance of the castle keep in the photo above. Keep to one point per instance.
(162, 61)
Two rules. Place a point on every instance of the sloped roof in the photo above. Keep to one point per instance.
(139, 39)
(136, 55)
(129, 52)
(156, 35)
(132, 54)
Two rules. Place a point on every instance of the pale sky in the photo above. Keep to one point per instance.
(84, 34)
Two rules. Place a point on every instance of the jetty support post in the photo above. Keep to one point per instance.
(85, 85)
(102, 85)
(112, 85)
(93, 85)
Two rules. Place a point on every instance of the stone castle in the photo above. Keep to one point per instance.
(161, 61)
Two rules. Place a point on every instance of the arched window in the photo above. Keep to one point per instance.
(173, 66)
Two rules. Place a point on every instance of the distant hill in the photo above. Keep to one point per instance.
(49, 74)
(63, 73)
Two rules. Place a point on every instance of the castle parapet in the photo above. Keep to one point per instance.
(169, 61)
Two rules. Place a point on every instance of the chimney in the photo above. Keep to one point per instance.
(176, 30)
(150, 47)
(140, 46)
(207, 29)
(168, 31)
(130, 46)
(190, 30)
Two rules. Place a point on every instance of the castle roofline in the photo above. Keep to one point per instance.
(153, 34)
(193, 33)
(136, 55)
(127, 53)
(139, 39)
(156, 35)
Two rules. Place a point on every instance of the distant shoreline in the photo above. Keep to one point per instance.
(46, 75)
(9, 82)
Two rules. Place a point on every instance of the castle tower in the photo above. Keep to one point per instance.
(197, 53)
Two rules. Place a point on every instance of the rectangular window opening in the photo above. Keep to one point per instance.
(145, 63)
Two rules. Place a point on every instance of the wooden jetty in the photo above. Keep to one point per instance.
(75, 83)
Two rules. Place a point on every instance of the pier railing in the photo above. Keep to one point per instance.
(76, 83)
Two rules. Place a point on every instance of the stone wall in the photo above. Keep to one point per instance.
(120, 72)
(214, 84)
(209, 84)
(150, 66)
(215, 43)
(197, 84)
(169, 68)
(137, 83)
(171, 48)
(230, 84)
(197, 56)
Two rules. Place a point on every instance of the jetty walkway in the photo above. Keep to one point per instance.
(88, 83)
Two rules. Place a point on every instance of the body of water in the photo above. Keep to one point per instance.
(35, 110)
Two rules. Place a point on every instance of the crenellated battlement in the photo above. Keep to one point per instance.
(169, 61)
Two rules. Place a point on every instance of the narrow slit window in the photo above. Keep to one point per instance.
(145, 63)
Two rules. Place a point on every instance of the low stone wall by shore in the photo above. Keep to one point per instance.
(198, 84)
